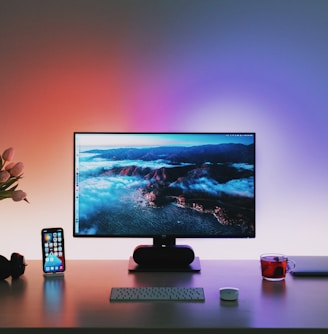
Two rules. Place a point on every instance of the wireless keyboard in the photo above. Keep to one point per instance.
(157, 294)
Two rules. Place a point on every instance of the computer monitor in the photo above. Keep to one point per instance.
(164, 186)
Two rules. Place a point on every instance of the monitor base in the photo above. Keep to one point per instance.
(194, 266)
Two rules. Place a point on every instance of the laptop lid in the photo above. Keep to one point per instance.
(310, 265)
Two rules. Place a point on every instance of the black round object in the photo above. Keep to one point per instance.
(163, 256)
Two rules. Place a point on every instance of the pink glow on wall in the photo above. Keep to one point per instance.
(167, 66)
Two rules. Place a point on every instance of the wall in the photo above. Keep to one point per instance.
(171, 65)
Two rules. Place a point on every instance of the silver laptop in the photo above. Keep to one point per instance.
(310, 265)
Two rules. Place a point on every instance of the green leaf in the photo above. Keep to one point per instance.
(13, 188)
(5, 194)
(9, 183)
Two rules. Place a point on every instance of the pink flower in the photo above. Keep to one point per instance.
(17, 169)
(10, 173)
(4, 176)
(19, 195)
(10, 165)
(8, 154)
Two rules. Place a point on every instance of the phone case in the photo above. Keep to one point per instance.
(53, 251)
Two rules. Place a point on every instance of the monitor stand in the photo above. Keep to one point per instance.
(164, 255)
(194, 267)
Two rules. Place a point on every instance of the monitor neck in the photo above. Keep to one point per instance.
(164, 241)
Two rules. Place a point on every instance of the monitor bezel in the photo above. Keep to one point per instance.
(160, 238)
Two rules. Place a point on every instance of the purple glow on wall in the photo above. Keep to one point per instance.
(182, 65)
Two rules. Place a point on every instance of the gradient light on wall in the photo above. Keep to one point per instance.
(167, 66)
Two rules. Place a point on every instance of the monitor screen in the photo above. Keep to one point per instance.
(188, 185)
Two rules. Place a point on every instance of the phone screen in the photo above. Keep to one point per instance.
(53, 252)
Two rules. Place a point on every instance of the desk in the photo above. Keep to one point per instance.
(81, 300)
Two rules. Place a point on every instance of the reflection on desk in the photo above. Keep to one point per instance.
(81, 299)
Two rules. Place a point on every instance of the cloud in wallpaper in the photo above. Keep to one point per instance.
(182, 65)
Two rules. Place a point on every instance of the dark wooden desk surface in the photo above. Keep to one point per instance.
(81, 299)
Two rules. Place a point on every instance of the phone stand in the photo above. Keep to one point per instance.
(53, 275)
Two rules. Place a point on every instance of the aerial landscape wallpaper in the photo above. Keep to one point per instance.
(191, 185)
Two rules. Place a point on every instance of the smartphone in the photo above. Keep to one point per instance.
(53, 250)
